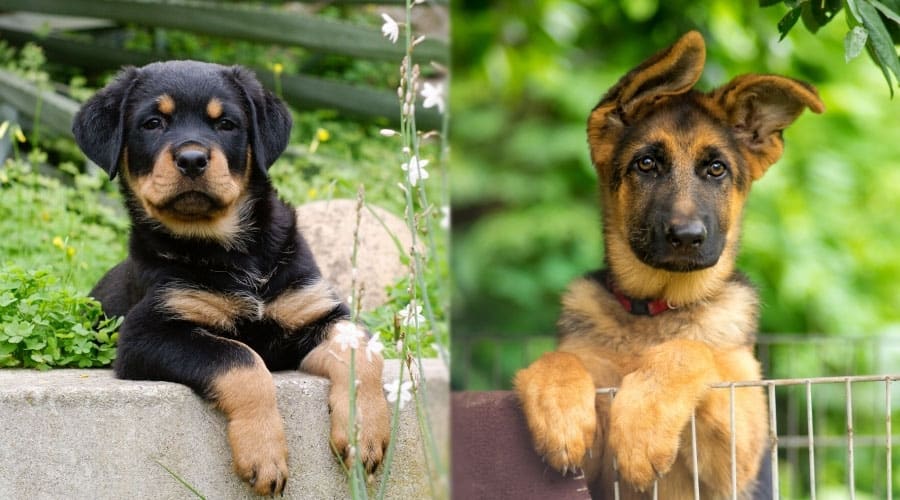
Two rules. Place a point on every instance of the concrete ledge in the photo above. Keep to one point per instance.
(82, 434)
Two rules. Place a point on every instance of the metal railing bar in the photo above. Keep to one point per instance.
(836, 441)
(615, 462)
(734, 491)
(694, 455)
(887, 429)
(773, 440)
(812, 380)
(851, 475)
(812, 442)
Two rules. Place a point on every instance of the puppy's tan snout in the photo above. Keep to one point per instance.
(686, 234)
(192, 162)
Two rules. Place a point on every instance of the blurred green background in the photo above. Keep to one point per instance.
(821, 233)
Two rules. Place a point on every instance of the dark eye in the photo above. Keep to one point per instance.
(645, 164)
(716, 169)
(225, 124)
(152, 124)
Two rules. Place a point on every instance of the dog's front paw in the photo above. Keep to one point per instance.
(558, 396)
(259, 453)
(373, 431)
(644, 436)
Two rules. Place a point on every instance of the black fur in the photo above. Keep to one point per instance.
(115, 130)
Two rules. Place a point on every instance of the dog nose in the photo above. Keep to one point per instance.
(192, 162)
(692, 234)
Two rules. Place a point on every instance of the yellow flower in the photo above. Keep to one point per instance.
(3, 128)
(20, 136)
(312, 193)
(70, 251)
(322, 135)
(58, 242)
(278, 68)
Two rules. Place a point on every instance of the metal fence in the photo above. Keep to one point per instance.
(803, 483)
(831, 401)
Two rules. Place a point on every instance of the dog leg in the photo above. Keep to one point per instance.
(558, 395)
(255, 429)
(153, 346)
(714, 428)
(653, 405)
(372, 414)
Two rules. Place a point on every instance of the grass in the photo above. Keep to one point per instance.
(72, 228)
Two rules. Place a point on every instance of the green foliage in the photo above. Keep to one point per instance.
(73, 226)
(67, 224)
(45, 325)
(873, 24)
(820, 236)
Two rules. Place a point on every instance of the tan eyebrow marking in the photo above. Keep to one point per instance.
(165, 104)
(214, 108)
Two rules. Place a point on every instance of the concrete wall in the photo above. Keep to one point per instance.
(82, 434)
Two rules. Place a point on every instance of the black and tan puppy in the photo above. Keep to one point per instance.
(219, 288)
(669, 315)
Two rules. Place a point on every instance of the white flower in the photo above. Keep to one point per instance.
(434, 96)
(374, 346)
(390, 29)
(415, 169)
(445, 217)
(411, 315)
(348, 335)
(386, 132)
(396, 390)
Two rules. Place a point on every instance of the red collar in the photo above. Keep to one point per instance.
(640, 307)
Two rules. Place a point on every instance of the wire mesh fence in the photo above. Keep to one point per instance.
(831, 404)
(801, 478)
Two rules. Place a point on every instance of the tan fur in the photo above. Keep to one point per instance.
(255, 430)
(210, 309)
(214, 108)
(299, 307)
(373, 417)
(558, 393)
(165, 182)
(663, 365)
(165, 104)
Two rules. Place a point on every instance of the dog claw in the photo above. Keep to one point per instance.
(565, 470)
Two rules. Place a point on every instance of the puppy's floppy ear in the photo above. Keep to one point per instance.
(672, 71)
(270, 126)
(758, 108)
(99, 126)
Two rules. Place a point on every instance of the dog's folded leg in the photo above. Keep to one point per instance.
(153, 346)
(714, 427)
(653, 406)
(558, 398)
(332, 360)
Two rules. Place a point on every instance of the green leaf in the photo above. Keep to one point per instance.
(788, 21)
(880, 43)
(886, 11)
(6, 299)
(855, 42)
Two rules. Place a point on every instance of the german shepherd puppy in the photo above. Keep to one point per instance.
(669, 315)
(219, 287)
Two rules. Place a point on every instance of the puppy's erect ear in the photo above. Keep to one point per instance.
(758, 108)
(99, 126)
(672, 71)
(270, 126)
